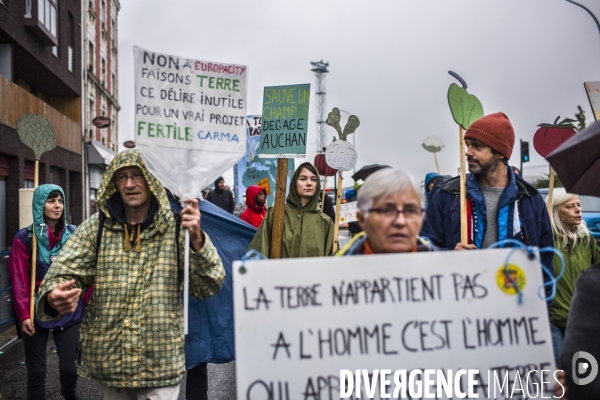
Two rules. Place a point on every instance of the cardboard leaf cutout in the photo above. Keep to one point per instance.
(551, 136)
(465, 107)
(36, 133)
(433, 144)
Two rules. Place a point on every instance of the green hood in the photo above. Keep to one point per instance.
(40, 195)
(293, 198)
(307, 232)
(131, 158)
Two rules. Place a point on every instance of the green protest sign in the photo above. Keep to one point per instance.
(284, 121)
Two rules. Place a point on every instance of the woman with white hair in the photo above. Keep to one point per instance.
(390, 212)
(580, 251)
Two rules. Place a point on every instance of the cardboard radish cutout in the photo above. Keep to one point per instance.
(340, 154)
(550, 136)
(433, 144)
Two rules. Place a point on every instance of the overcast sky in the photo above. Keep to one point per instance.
(388, 62)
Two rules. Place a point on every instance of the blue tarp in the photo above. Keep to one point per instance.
(211, 332)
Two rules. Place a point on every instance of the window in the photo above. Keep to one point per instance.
(47, 14)
(91, 57)
(103, 77)
(113, 82)
(71, 41)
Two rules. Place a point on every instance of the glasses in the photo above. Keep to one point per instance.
(410, 212)
(123, 178)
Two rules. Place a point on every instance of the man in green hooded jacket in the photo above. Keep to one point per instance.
(132, 334)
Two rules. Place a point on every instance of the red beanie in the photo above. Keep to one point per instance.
(495, 131)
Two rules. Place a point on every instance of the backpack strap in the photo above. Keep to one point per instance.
(177, 215)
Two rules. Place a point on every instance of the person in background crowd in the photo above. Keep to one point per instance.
(221, 196)
(307, 231)
(327, 206)
(354, 227)
(430, 179)
(132, 334)
(500, 204)
(390, 212)
(239, 208)
(52, 232)
(257, 209)
(579, 250)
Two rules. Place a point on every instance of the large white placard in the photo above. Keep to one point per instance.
(190, 118)
(299, 322)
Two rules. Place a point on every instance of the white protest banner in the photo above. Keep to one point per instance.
(348, 212)
(408, 318)
(190, 118)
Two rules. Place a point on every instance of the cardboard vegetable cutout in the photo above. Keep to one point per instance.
(324, 170)
(340, 154)
(551, 136)
(433, 144)
(546, 140)
(36, 133)
(465, 109)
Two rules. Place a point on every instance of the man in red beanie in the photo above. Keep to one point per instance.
(500, 204)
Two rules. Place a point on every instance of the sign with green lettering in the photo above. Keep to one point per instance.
(190, 118)
(284, 121)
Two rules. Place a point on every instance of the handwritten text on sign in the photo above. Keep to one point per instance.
(299, 323)
(348, 212)
(284, 121)
(187, 103)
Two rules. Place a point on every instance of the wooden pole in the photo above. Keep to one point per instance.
(550, 191)
(279, 212)
(324, 186)
(437, 166)
(463, 189)
(33, 252)
(336, 228)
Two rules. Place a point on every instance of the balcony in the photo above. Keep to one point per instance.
(16, 101)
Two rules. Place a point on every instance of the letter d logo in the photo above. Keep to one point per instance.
(581, 369)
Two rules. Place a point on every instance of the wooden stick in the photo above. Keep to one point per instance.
(464, 239)
(336, 228)
(324, 186)
(36, 175)
(279, 212)
(437, 166)
(550, 190)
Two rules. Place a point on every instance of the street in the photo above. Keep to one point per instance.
(13, 377)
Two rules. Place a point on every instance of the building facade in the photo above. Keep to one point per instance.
(40, 73)
(100, 92)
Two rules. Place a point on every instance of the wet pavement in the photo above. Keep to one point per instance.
(13, 377)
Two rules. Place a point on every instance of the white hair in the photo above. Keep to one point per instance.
(579, 232)
(384, 183)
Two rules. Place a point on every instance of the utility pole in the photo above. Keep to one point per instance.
(320, 69)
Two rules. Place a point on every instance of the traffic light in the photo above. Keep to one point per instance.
(524, 151)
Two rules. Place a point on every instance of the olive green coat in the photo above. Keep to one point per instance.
(577, 260)
(307, 231)
(132, 333)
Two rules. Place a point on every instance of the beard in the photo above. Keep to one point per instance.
(484, 169)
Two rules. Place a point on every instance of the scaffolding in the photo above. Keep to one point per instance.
(320, 69)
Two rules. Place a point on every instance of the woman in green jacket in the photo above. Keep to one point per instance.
(307, 231)
(580, 251)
